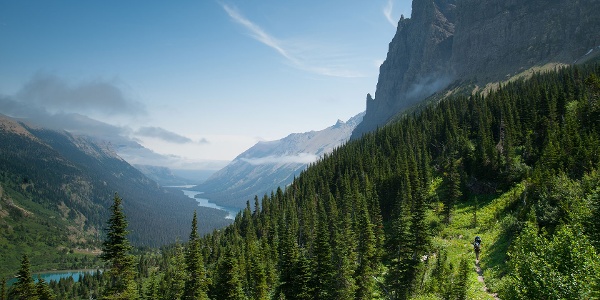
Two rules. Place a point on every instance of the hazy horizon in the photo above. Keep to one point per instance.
(192, 81)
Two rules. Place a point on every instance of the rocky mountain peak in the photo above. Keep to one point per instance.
(479, 41)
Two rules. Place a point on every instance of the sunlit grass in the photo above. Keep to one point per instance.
(492, 217)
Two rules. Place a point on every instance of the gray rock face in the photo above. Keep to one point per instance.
(480, 41)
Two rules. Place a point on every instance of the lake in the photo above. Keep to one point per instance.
(231, 212)
(57, 275)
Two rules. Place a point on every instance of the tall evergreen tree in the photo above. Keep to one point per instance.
(229, 284)
(255, 268)
(344, 244)
(152, 291)
(43, 290)
(323, 269)
(452, 187)
(259, 289)
(24, 288)
(3, 289)
(196, 284)
(294, 269)
(115, 252)
(171, 287)
(398, 279)
(462, 284)
(366, 271)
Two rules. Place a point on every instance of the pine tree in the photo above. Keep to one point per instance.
(594, 219)
(323, 269)
(24, 288)
(462, 285)
(196, 284)
(294, 269)
(258, 277)
(172, 285)
(255, 268)
(152, 292)
(43, 290)
(115, 252)
(344, 245)
(366, 253)
(398, 279)
(452, 187)
(3, 289)
(229, 283)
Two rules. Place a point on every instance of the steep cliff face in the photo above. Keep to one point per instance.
(479, 41)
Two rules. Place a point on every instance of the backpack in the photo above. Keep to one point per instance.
(477, 244)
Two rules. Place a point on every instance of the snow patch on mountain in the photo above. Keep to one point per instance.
(271, 164)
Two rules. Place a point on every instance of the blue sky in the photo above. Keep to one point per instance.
(199, 80)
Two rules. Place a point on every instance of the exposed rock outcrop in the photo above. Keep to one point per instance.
(478, 41)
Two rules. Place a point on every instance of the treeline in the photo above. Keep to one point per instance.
(359, 223)
(55, 191)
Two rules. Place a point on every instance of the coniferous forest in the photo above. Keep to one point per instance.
(392, 215)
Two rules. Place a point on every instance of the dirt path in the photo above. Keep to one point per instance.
(480, 279)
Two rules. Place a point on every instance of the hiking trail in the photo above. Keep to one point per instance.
(480, 279)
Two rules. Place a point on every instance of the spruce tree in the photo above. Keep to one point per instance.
(196, 284)
(323, 269)
(115, 252)
(43, 290)
(344, 245)
(24, 288)
(452, 187)
(462, 285)
(258, 275)
(3, 289)
(366, 253)
(398, 279)
(288, 264)
(594, 220)
(229, 283)
(172, 285)
(152, 291)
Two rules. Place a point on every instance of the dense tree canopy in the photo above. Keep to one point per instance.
(369, 220)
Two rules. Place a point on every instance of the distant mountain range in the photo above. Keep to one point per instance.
(66, 183)
(116, 137)
(174, 177)
(271, 164)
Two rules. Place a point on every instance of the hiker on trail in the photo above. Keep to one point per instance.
(477, 246)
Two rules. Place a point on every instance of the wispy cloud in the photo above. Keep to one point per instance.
(72, 122)
(291, 52)
(99, 96)
(258, 33)
(163, 134)
(387, 12)
(301, 158)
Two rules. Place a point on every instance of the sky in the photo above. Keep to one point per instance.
(195, 80)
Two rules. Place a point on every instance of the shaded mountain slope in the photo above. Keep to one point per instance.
(268, 165)
(66, 182)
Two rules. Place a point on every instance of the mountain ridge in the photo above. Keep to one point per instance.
(458, 41)
(65, 183)
(271, 164)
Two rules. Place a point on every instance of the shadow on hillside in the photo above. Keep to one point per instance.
(506, 217)
(494, 252)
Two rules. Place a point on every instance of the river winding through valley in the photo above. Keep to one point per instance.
(231, 212)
